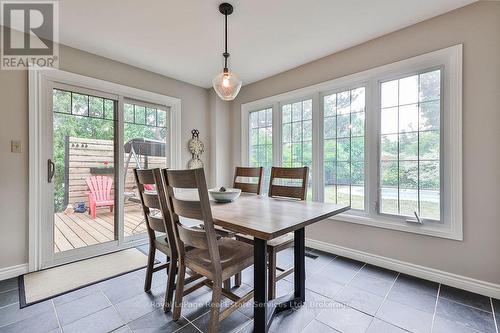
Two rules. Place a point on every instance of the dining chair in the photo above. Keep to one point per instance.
(156, 222)
(241, 174)
(216, 258)
(292, 184)
(155, 208)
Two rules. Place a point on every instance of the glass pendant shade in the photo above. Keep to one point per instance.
(227, 85)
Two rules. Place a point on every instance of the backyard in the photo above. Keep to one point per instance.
(85, 146)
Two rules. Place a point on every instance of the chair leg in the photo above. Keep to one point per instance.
(227, 285)
(179, 291)
(237, 280)
(169, 293)
(271, 275)
(92, 211)
(213, 325)
(149, 268)
(111, 209)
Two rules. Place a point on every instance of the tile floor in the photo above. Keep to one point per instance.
(342, 296)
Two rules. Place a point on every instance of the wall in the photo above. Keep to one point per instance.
(14, 125)
(478, 27)
(221, 139)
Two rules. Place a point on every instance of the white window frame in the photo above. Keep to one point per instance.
(279, 156)
(40, 83)
(449, 60)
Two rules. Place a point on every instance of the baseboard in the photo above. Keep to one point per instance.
(13, 271)
(462, 282)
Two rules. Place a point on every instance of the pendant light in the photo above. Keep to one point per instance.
(227, 85)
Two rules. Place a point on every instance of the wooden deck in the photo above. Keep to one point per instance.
(79, 229)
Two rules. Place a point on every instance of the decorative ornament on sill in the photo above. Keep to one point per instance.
(196, 148)
(226, 84)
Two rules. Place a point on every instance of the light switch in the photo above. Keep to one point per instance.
(15, 146)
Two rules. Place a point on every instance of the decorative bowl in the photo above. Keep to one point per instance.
(224, 194)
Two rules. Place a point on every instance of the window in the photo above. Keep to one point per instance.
(149, 122)
(410, 145)
(386, 141)
(296, 119)
(261, 142)
(344, 147)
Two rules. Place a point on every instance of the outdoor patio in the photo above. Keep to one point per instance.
(76, 230)
(84, 158)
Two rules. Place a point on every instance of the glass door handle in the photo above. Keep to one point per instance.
(51, 170)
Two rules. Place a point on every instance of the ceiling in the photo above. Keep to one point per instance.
(184, 39)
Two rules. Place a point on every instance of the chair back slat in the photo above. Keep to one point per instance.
(279, 190)
(151, 200)
(248, 188)
(201, 238)
(145, 177)
(244, 186)
(182, 179)
(188, 209)
(287, 191)
(289, 173)
(193, 237)
(249, 171)
(156, 223)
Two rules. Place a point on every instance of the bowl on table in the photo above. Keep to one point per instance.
(222, 194)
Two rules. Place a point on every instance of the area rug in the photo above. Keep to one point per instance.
(41, 285)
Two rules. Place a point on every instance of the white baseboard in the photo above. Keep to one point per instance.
(13, 271)
(462, 282)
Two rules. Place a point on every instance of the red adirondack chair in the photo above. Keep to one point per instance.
(100, 193)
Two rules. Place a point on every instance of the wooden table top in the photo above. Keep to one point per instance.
(268, 218)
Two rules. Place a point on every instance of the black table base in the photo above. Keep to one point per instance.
(264, 310)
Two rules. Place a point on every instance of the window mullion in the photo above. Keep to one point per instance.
(317, 149)
(277, 139)
(372, 144)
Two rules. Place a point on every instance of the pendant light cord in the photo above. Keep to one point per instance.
(225, 54)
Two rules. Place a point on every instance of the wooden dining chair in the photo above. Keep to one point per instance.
(156, 216)
(293, 184)
(297, 190)
(216, 258)
(240, 182)
(154, 205)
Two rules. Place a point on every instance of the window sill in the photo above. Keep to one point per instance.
(443, 231)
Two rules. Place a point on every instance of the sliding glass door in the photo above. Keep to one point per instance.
(96, 140)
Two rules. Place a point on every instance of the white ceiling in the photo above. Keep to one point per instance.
(184, 39)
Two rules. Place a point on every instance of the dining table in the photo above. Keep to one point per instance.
(265, 219)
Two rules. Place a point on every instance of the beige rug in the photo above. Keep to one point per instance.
(47, 283)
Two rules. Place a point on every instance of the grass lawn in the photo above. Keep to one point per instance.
(429, 205)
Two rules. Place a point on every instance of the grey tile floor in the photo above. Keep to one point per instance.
(342, 296)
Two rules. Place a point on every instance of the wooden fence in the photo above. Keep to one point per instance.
(91, 157)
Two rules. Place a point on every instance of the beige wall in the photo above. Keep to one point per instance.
(221, 140)
(478, 27)
(14, 125)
